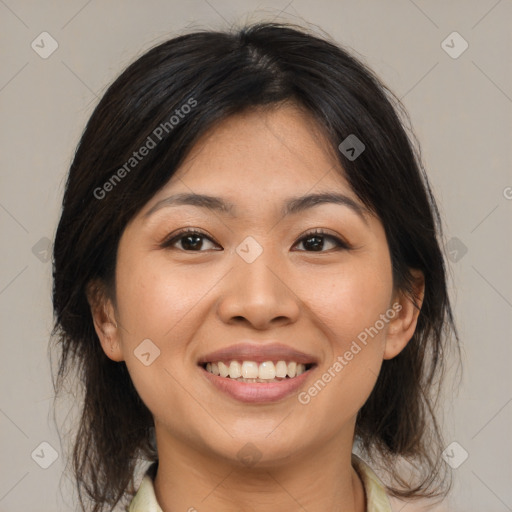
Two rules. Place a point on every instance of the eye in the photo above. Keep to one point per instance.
(315, 241)
(191, 240)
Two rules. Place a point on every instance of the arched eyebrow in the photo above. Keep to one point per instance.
(292, 206)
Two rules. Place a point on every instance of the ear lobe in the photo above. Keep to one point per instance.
(103, 317)
(402, 327)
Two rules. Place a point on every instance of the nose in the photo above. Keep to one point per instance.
(259, 294)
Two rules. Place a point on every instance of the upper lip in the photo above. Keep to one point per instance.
(258, 352)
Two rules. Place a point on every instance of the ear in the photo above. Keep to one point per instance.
(105, 324)
(401, 328)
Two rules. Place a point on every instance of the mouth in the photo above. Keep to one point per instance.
(257, 372)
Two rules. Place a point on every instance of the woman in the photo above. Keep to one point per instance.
(247, 273)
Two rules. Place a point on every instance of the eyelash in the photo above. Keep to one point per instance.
(340, 244)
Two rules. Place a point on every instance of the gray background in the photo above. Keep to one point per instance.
(461, 112)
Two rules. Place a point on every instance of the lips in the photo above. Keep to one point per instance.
(252, 390)
(259, 353)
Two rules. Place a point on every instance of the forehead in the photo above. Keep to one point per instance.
(262, 150)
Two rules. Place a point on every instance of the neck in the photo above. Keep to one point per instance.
(192, 480)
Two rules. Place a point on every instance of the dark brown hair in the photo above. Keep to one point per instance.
(220, 74)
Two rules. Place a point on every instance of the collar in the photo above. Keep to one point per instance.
(376, 497)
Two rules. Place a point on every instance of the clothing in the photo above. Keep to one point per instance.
(376, 497)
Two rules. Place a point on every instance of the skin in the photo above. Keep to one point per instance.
(191, 302)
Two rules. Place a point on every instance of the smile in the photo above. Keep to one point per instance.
(256, 371)
(251, 371)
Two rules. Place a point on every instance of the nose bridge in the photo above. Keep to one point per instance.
(262, 275)
(257, 289)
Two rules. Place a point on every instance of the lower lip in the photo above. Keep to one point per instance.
(257, 392)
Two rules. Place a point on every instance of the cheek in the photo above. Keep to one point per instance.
(158, 305)
(155, 299)
(347, 302)
(348, 308)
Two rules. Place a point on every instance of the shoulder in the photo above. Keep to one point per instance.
(145, 498)
(376, 496)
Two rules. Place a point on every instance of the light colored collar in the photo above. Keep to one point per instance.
(376, 497)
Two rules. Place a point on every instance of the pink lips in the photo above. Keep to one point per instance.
(257, 392)
(258, 353)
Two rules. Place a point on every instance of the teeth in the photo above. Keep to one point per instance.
(235, 370)
(223, 369)
(281, 369)
(267, 370)
(250, 371)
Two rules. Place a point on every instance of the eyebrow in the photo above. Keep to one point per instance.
(292, 206)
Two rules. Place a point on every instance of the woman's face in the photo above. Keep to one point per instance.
(255, 286)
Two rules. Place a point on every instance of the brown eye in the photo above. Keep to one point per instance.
(315, 241)
(191, 240)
